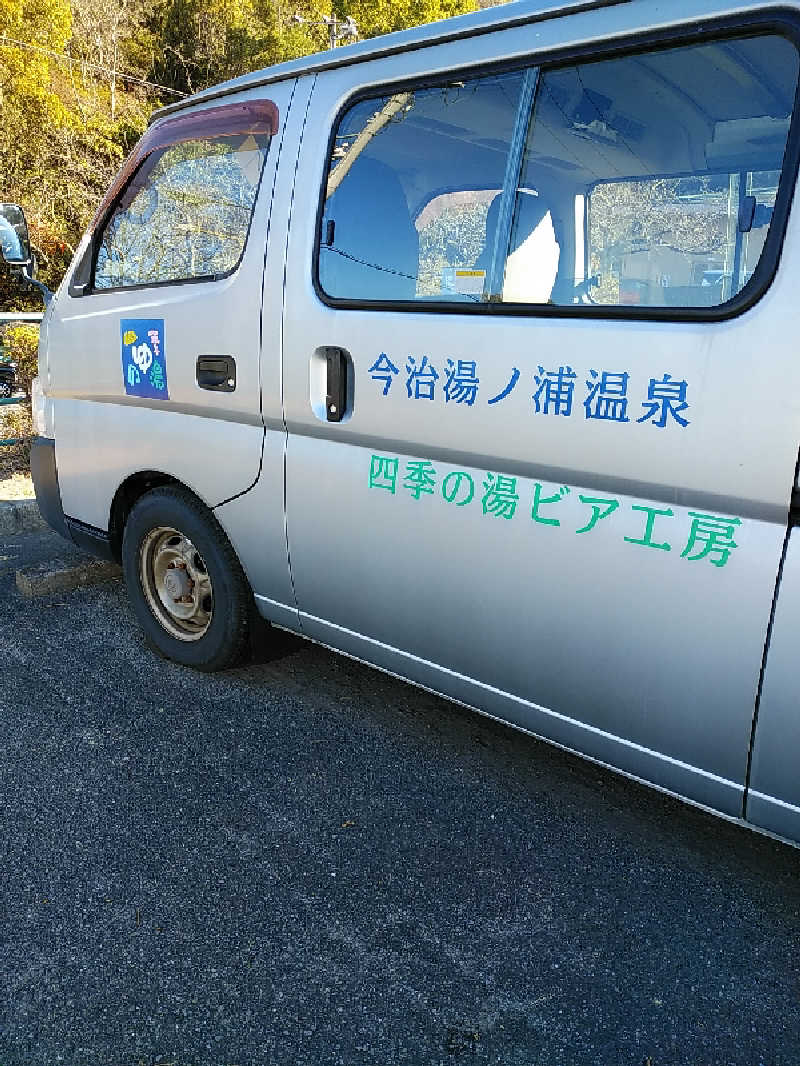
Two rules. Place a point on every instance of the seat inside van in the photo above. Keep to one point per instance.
(531, 266)
(369, 243)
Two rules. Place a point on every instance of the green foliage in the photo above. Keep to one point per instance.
(61, 140)
(206, 41)
(20, 345)
(374, 17)
(69, 123)
(18, 425)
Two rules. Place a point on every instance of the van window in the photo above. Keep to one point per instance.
(184, 215)
(452, 235)
(678, 241)
(406, 196)
(642, 182)
(676, 157)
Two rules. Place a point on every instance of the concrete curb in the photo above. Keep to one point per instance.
(20, 516)
(47, 578)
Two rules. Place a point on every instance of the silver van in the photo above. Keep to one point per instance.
(470, 352)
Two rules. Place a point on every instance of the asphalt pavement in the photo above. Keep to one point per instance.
(305, 862)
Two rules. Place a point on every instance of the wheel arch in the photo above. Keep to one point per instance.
(151, 511)
(129, 492)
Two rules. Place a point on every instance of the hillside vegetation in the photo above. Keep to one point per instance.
(79, 79)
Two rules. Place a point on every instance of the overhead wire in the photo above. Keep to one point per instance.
(4, 40)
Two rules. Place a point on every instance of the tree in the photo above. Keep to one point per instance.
(71, 113)
(374, 17)
(205, 41)
(111, 34)
(63, 135)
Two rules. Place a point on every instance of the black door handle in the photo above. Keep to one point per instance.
(217, 373)
(336, 384)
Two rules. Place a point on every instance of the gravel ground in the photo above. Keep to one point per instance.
(307, 862)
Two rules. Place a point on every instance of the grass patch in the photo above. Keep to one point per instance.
(15, 460)
(17, 486)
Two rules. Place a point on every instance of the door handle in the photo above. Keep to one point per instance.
(337, 360)
(217, 373)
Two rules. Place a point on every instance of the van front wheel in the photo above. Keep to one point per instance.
(185, 584)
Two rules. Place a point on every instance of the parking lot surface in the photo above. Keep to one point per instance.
(305, 861)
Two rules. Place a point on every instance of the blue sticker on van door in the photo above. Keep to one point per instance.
(144, 359)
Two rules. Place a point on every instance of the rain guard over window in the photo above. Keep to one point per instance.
(647, 181)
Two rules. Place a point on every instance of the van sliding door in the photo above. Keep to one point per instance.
(541, 434)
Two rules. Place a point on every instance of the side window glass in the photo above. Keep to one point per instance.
(650, 181)
(681, 241)
(453, 257)
(410, 182)
(647, 181)
(185, 214)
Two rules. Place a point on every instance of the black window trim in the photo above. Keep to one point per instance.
(776, 20)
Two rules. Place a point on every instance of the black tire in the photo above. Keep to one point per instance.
(6, 389)
(214, 634)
